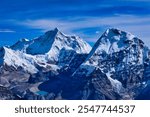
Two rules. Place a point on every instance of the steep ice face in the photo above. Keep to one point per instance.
(43, 44)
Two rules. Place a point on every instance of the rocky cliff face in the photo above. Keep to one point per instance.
(122, 58)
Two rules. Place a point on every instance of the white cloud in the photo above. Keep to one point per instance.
(6, 31)
(137, 25)
(46, 24)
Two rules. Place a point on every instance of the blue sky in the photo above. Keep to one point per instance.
(86, 18)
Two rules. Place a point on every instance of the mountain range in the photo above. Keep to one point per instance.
(59, 66)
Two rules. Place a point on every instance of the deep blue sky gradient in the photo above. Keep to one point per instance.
(86, 18)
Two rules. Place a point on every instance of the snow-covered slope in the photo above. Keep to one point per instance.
(119, 55)
(51, 43)
(126, 46)
(18, 59)
(44, 51)
(113, 41)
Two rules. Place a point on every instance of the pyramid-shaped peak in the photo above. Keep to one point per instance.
(54, 31)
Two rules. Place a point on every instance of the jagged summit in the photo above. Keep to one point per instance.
(115, 40)
(56, 29)
(115, 44)
(121, 37)
(53, 33)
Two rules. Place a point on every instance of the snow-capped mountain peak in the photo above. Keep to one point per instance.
(117, 67)
(47, 49)
(115, 50)
(55, 40)
(114, 40)
(118, 57)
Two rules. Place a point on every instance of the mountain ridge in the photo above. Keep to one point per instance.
(43, 49)
(117, 67)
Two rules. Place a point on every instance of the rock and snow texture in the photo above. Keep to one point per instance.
(51, 43)
(113, 41)
(18, 59)
(56, 65)
(124, 47)
(120, 56)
